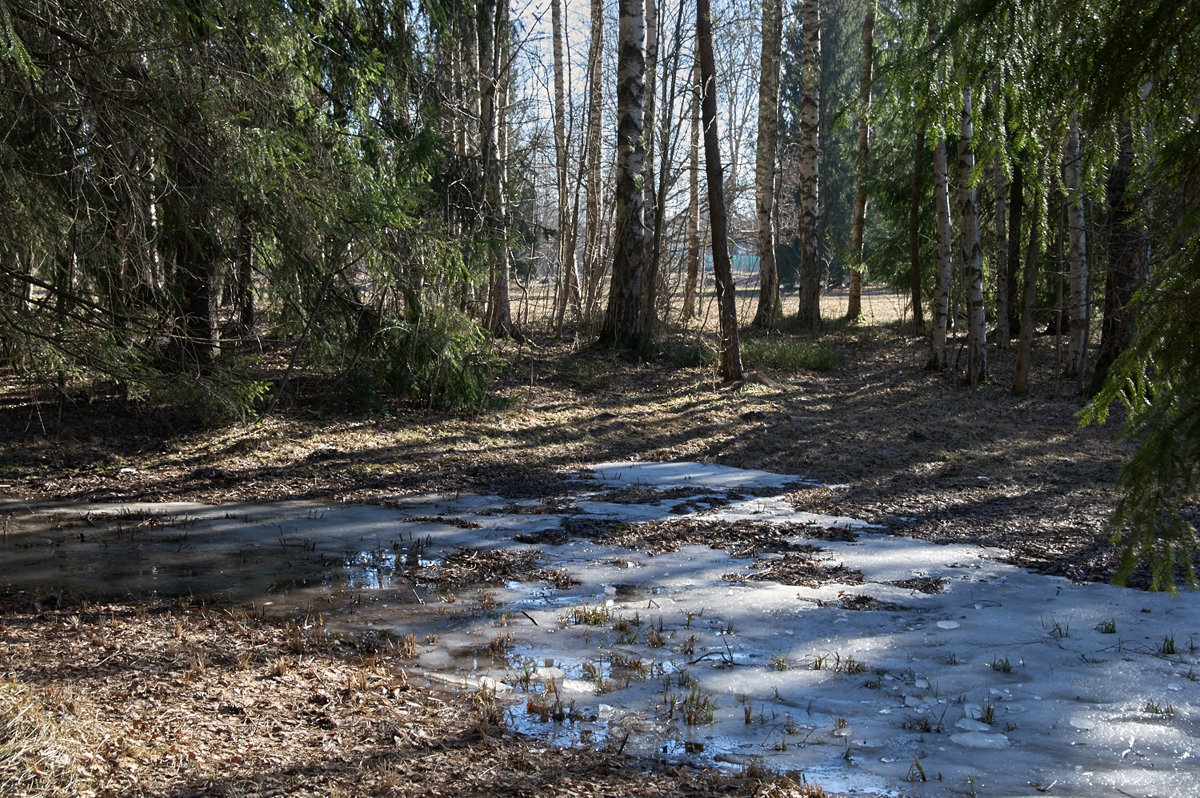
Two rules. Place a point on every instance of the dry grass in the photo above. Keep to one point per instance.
(340, 720)
(39, 753)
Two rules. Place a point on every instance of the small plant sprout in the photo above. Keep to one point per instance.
(1108, 627)
(1162, 710)
(951, 658)
(585, 615)
(698, 707)
(838, 664)
(779, 662)
(987, 712)
(1002, 665)
(1167, 646)
(1057, 629)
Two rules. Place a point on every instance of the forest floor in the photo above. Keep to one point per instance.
(890, 442)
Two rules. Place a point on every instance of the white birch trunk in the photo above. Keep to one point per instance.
(651, 137)
(972, 256)
(595, 231)
(809, 277)
(769, 307)
(943, 272)
(623, 320)
(567, 287)
(693, 254)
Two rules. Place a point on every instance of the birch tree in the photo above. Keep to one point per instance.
(623, 320)
(914, 228)
(593, 254)
(809, 208)
(693, 209)
(1077, 249)
(568, 284)
(972, 256)
(769, 306)
(1020, 383)
(944, 268)
(498, 320)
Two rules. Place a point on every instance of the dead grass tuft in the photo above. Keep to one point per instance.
(38, 755)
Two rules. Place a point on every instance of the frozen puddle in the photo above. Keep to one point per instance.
(690, 611)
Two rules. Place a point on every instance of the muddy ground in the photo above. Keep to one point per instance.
(151, 697)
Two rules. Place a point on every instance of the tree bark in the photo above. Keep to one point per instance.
(623, 319)
(1033, 254)
(770, 308)
(809, 267)
(1000, 186)
(593, 254)
(731, 358)
(972, 255)
(1016, 207)
(649, 196)
(693, 252)
(854, 307)
(945, 266)
(1127, 259)
(914, 229)
(568, 287)
(498, 320)
(1078, 330)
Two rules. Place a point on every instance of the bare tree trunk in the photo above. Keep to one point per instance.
(1077, 347)
(568, 287)
(1127, 259)
(972, 255)
(624, 317)
(914, 228)
(693, 254)
(1033, 254)
(648, 188)
(731, 358)
(593, 254)
(189, 228)
(498, 319)
(945, 266)
(854, 307)
(809, 269)
(770, 308)
(1000, 185)
(1016, 205)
